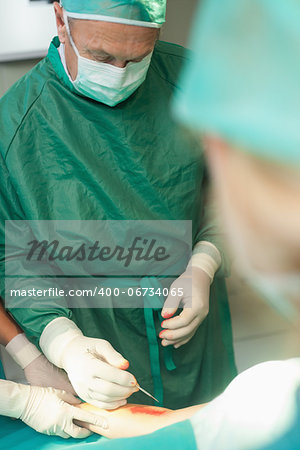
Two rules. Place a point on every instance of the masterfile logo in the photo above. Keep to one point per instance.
(93, 263)
(139, 250)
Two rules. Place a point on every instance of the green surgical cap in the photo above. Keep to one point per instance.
(243, 81)
(146, 13)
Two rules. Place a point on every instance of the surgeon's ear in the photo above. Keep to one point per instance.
(61, 28)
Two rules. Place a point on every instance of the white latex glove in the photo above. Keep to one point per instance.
(42, 373)
(46, 410)
(192, 289)
(194, 284)
(97, 372)
(38, 370)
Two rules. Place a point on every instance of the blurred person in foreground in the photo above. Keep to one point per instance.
(242, 91)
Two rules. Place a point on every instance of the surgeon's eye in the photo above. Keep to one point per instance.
(97, 58)
(106, 60)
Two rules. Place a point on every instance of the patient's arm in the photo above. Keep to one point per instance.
(136, 420)
(8, 327)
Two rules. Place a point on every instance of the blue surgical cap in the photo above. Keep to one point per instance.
(146, 13)
(243, 81)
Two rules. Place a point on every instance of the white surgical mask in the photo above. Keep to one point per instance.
(104, 82)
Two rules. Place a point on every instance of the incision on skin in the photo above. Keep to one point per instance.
(147, 410)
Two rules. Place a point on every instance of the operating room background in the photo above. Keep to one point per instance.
(259, 332)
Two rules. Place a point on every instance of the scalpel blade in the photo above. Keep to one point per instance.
(147, 393)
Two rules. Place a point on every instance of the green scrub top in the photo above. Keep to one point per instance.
(67, 157)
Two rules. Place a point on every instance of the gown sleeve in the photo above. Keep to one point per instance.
(34, 319)
(211, 229)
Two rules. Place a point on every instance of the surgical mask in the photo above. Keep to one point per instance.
(104, 82)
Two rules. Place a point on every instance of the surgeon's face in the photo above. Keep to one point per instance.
(110, 43)
(261, 206)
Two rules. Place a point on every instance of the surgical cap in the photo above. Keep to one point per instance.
(243, 82)
(146, 13)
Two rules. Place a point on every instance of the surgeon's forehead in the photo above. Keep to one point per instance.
(115, 39)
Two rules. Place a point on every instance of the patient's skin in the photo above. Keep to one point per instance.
(136, 420)
(8, 329)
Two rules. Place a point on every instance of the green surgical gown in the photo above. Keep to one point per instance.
(66, 157)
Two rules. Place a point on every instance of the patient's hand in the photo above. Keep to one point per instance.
(136, 420)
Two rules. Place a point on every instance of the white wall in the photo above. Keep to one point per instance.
(179, 19)
(25, 29)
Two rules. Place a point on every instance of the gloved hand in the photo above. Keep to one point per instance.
(97, 372)
(38, 370)
(194, 284)
(51, 411)
(47, 410)
(42, 373)
(192, 289)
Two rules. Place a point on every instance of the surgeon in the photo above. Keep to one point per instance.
(45, 409)
(241, 90)
(88, 135)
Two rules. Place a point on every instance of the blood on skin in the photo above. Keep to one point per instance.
(147, 410)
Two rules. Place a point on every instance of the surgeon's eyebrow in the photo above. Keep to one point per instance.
(96, 52)
(102, 54)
